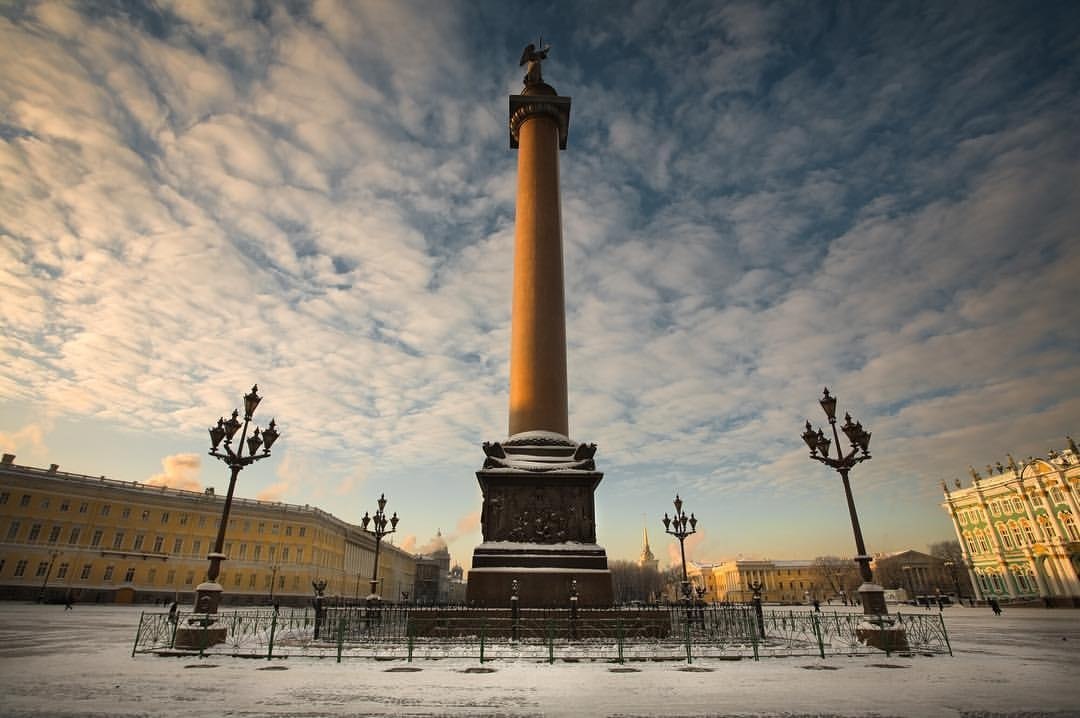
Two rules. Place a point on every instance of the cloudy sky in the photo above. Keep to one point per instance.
(759, 199)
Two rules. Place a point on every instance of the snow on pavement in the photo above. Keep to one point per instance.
(78, 663)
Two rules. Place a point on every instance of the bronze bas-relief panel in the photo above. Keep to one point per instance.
(539, 513)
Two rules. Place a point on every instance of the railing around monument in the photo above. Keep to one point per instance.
(408, 632)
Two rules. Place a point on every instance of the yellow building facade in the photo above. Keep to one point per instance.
(101, 540)
(782, 581)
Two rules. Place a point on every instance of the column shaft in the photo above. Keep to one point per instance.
(538, 330)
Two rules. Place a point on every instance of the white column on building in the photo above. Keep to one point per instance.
(1040, 580)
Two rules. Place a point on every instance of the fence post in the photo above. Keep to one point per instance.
(175, 623)
(817, 634)
(483, 630)
(550, 642)
(138, 632)
(619, 636)
(945, 633)
(340, 635)
(686, 623)
(273, 629)
(885, 634)
(409, 632)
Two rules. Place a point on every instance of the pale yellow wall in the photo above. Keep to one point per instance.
(303, 543)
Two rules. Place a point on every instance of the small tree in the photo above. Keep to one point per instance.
(836, 574)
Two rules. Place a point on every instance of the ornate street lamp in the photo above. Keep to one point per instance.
(48, 573)
(677, 527)
(872, 595)
(909, 583)
(208, 593)
(950, 566)
(379, 522)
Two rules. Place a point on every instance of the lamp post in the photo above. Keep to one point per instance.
(48, 573)
(379, 522)
(909, 583)
(677, 527)
(950, 566)
(273, 579)
(208, 593)
(872, 595)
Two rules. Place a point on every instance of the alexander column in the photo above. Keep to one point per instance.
(538, 518)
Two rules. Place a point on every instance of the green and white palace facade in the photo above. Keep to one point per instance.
(1017, 525)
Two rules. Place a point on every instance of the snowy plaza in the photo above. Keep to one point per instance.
(78, 663)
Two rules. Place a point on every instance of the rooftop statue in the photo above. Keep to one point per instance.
(533, 57)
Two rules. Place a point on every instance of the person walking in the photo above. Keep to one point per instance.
(995, 606)
(67, 601)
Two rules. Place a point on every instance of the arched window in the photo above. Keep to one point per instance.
(1047, 527)
(983, 543)
(1029, 534)
(1017, 536)
(1003, 532)
(971, 546)
(1055, 494)
(1017, 506)
(1069, 523)
(1022, 581)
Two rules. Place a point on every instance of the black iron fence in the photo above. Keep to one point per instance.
(404, 632)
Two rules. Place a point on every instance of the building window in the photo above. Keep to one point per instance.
(190, 578)
(1029, 534)
(65, 505)
(202, 521)
(272, 551)
(95, 540)
(288, 530)
(13, 530)
(237, 579)
(44, 504)
(61, 572)
(274, 528)
(129, 575)
(85, 572)
(105, 509)
(170, 578)
(269, 580)
(35, 531)
(227, 550)
(151, 575)
(1056, 496)
(164, 517)
(20, 568)
(178, 545)
(1003, 532)
(1036, 499)
(247, 525)
(183, 519)
(1017, 536)
(243, 551)
(137, 546)
(251, 581)
(303, 530)
(118, 539)
(196, 547)
(262, 526)
(258, 551)
(284, 553)
(84, 507)
(41, 569)
(1018, 508)
(983, 543)
(4, 495)
(1070, 526)
(73, 537)
(995, 508)
(281, 582)
(108, 573)
(158, 542)
(25, 500)
(1047, 527)
(126, 513)
(145, 515)
(54, 534)
(299, 554)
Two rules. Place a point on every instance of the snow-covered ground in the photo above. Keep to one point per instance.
(78, 663)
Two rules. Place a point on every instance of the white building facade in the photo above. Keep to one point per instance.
(1017, 526)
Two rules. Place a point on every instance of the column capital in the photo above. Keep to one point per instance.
(522, 107)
